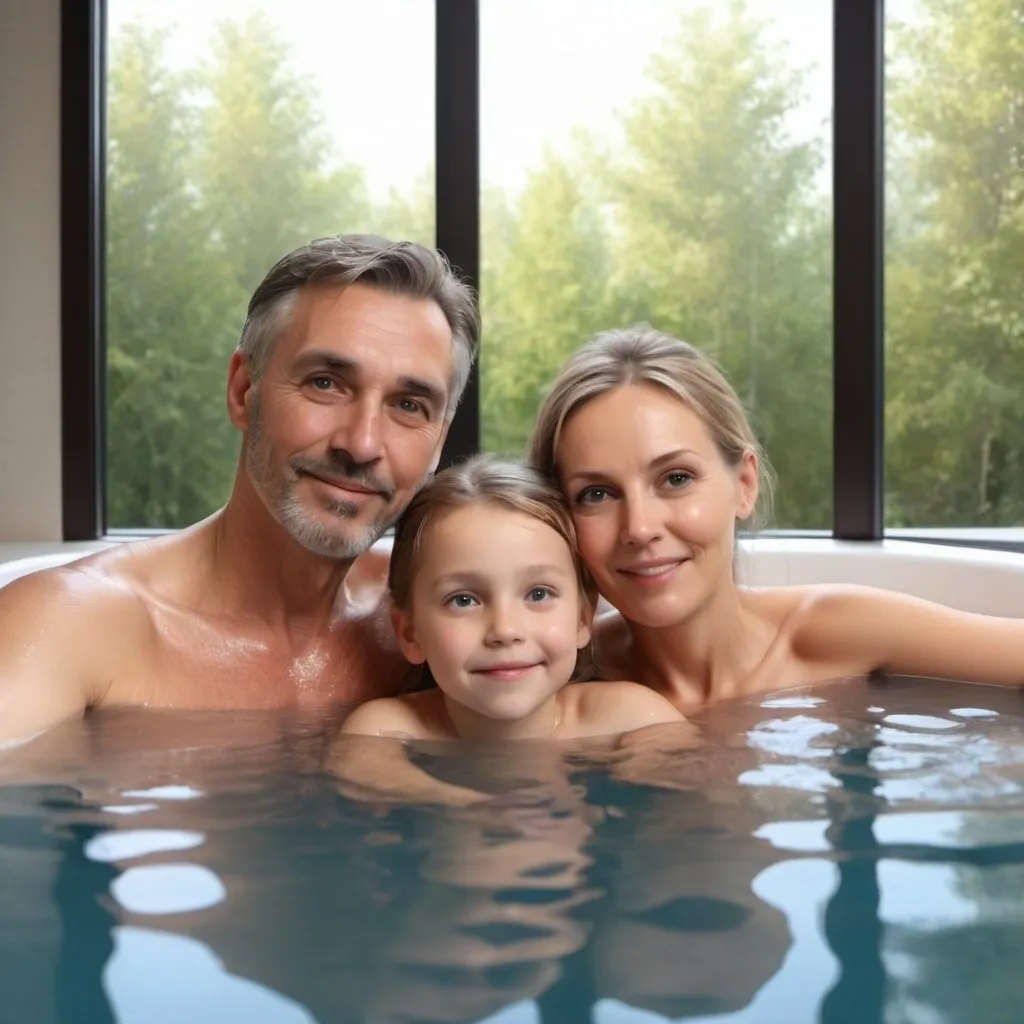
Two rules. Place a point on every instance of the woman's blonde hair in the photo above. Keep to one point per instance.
(642, 355)
(480, 480)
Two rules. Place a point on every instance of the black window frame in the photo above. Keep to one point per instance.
(858, 255)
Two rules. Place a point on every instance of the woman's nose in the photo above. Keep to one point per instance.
(640, 520)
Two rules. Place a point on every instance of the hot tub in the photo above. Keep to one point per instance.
(973, 579)
(848, 852)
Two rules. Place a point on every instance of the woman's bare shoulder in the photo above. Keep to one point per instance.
(838, 629)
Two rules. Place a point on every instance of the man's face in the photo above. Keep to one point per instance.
(349, 417)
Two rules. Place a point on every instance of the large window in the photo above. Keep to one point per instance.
(236, 131)
(670, 161)
(955, 263)
(665, 162)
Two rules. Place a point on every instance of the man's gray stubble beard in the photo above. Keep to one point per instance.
(288, 510)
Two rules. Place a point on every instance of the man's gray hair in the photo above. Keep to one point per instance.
(402, 268)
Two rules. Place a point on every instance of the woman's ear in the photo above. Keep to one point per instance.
(746, 485)
(401, 623)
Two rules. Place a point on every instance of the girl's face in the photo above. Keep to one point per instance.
(495, 611)
(655, 504)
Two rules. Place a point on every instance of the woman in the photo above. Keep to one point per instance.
(653, 451)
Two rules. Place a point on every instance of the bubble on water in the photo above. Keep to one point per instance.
(117, 845)
(167, 889)
(921, 722)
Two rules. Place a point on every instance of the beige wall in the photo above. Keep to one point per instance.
(30, 485)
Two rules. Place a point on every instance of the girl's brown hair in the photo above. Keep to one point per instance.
(480, 480)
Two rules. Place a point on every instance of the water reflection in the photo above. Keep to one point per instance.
(827, 857)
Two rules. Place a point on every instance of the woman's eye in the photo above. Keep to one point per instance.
(540, 594)
(592, 495)
(461, 600)
(678, 478)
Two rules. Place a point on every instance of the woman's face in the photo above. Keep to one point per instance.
(654, 503)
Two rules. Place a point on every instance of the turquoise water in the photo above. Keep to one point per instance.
(853, 853)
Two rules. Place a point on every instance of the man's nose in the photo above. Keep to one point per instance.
(361, 432)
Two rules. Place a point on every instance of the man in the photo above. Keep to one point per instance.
(353, 357)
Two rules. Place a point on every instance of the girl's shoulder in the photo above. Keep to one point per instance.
(614, 706)
(413, 716)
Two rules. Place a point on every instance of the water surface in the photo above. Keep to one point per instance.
(853, 852)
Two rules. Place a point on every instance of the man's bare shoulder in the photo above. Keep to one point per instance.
(84, 609)
(76, 592)
(607, 708)
(63, 632)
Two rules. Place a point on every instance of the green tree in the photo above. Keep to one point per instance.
(171, 310)
(408, 216)
(267, 171)
(955, 315)
(543, 294)
(213, 174)
(723, 240)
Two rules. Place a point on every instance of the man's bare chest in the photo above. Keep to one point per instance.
(219, 666)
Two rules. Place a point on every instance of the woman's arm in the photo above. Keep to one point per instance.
(870, 630)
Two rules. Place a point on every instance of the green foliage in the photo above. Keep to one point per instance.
(706, 219)
(705, 224)
(172, 311)
(543, 293)
(955, 315)
(214, 173)
(724, 243)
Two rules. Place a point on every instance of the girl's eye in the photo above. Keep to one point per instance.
(540, 594)
(678, 478)
(461, 601)
(592, 495)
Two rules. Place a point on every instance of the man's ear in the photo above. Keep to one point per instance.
(240, 390)
(747, 485)
(401, 623)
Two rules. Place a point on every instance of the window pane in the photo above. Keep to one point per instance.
(238, 130)
(667, 162)
(955, 263)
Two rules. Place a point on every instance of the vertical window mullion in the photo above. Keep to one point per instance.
(457, 163)
(858, 339)
(82, 157)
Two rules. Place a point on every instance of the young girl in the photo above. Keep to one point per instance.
(489, 594)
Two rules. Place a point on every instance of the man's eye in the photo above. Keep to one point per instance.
(321, 382)
(540, 594)
(410, 405)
